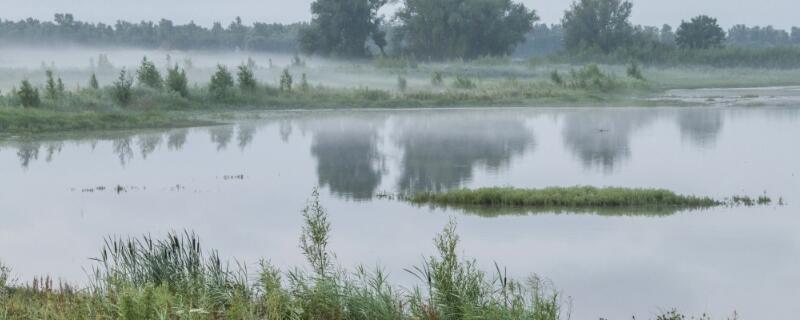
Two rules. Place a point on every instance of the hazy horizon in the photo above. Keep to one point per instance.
(778, 13)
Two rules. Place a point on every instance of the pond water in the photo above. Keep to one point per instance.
(242, 187)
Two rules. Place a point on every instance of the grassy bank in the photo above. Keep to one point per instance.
(24, 121)
(572, 197)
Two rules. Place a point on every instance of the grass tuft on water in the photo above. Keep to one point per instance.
(563, 197)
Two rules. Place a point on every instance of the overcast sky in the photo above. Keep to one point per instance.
(779, 13)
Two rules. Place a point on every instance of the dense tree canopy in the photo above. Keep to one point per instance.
(440, 29)
(702, 32)
(342, 27)
(760, 37)
(597, 25)
(147, 34)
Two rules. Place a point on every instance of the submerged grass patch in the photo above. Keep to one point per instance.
(558, 197)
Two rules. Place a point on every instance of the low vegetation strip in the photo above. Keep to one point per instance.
(570, 197)
(25, 121)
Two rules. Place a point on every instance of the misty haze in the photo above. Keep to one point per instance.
(406, 159)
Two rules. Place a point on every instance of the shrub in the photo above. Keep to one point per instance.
(148, 75)
(177, 81)
(247, 81)
(28, 95)
(221, 83)
(591, 78)
(121, 91)
(286, 81)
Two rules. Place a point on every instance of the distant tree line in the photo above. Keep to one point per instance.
(147, 34)
(436, 30)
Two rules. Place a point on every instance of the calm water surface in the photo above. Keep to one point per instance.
(614, 266)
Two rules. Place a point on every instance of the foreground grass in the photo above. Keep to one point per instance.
(571, 197)
(174, 279)
(24, 121)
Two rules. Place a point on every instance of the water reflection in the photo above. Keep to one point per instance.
(123, 149)
(601, 138)
(176, 139)
(348, 160)
(701, 126)
(441, 151)
(221, 136)
(148, 143)
(26, 152)
(245, 134)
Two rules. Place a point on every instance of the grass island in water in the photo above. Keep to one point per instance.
(580, 197)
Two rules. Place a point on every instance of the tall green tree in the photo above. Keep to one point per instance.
(51, 88)
(121, 91)
(28, 95)
(597, 25)
(177, 81)
(342, 27)
(247, 80)
(441, 29)
(221, 83)
(702, 32)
